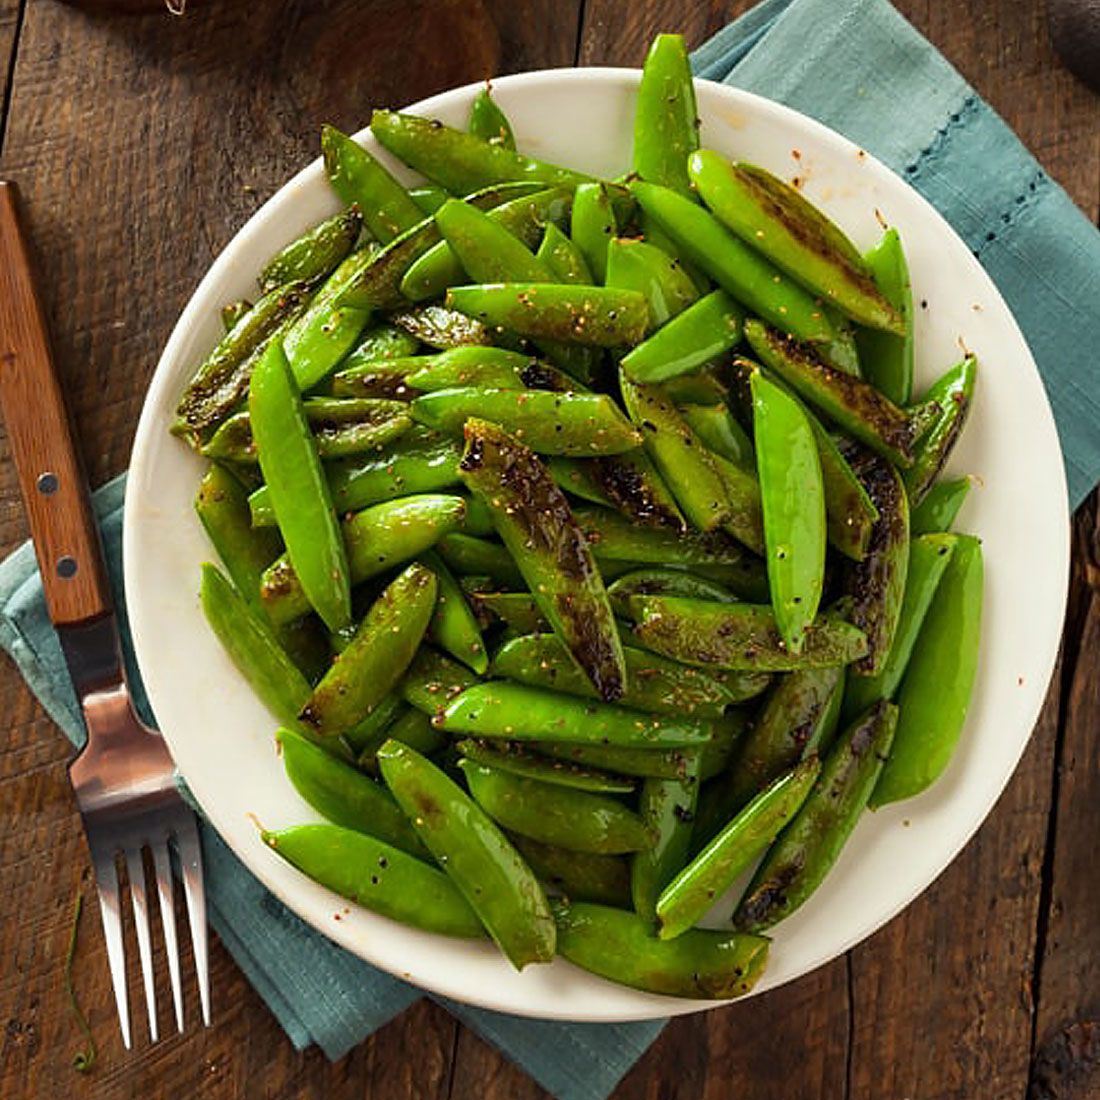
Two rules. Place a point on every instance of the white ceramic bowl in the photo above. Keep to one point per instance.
(221, 737)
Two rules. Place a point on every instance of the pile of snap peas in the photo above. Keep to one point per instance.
(586, 540)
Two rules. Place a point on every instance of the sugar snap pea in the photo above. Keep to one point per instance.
(477, 856)
(233, 312)
(886, 359)
(940, 506)
(383, 341)
(487, 251)
(377, 876)
(488, 122)
(592, 226)
(453, 626)
(618, 945)
(664, 582)
(429, 197)
(469, 556)
(441, 327)
(628, 482)
(369, 732)
(516, 760)
(797, 863)
(579, 876)
(697, 387)
(635, 265)
(433, 680)
(667, 763)
(493, 368)
(374, 283)
(716, 426)
(953, 393)
(666, 126)
(414, 728)
(316, 253)
(564, 259)
(519, 612)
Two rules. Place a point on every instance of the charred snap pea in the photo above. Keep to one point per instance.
(953, 393)
(550, 423)
(298, 490)
(666, 125)
(469, 556)
(635, 265)
(316, 253)
(453, 626)
(477, 856)
(440, 327)
(519, 611)
(377, 876)
(433, 680)
(580, 876)
(381, 342)
(793, 500)
(666, 763)
(564, 259)
(797, 863)
(716, 426)
(518, 761)
(374, 283)
(233, 313)
(695, 889)
(586, 315)
(382, 648)
(575, 820)
(773, 218)
(518, 713)
(941, 504)
(536, 525)
(742, 636)
(492, 368)
(621, 946)
(628, 482)
(935, 693)
(592, 226)
(489, 122)
(664, 582)
(886, 359)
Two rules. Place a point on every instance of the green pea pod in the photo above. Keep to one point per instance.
(314, 254)
(627, 482)
(773, 218)
(234, 312)
(635, 265)
(518, 713)
(369, 732)
(460, 162)
(469, 556)
(935, 692)
(377, 876)
(519, 611)
(876, 584)
(433, 680)
(941, 504)
(414, 728)
(578, 821)
(344, 795)
(221, 383)
(429, 197)
(593, 225)
(657, 237)
(928, 558)
(453, 626)
(564, 259)
(664, 582)
(488, 122)
(793, 500)
(735, 266)
(666, 124)
(853, 404)
(716, 426)
(742, 636)
(515, 760)
(652, 684)
(385, 379)
(298, 490)
(440, 327)
(381, 342)
(886, 359)
(589, 316)
(486, 250)
(621, 946)
(374, 282)
(375, 540)
(387, 208)
(693, 891)
(477, 856)
(490, 368)
(698, 387)
(660, 763)
(536, 525)
(379, 653)
(797, 863)
(954, 394)
(667, 807)
(580, 876)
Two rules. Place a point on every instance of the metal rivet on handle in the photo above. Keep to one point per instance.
(66, 567)
(47, 483)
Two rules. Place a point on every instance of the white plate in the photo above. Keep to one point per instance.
(221, 737)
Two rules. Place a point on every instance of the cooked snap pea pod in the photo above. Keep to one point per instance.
(578, 821)
(460, 162)
(886, 360)
(621, 946)
(664, 582)
(440, 327)
(953, 393)
(298, 490)
(386, 379)
(376, 539)
(377, 876)
(652, 684)
(358, 178)
(519, 713)
(565, 260)
(793, 500)
(856, 406)
(469, 556)
(316, 253)
(429, 197)
(635, 265)
(935, 693)
(221, 383)
(519, 761)
(929, 556)
(743, 637)
(488, 122)
(773, 218)
(519, 611)
(491, 368)
(477, 856)
(716, 426)
(536, 525)
(433, 680)
(579, 876)
(378, 655)
(374, 283)
(666, 125)
(487, 251)
(369, 732)
(627, 482)
(381, 342)
(694, 890)
(702, 332)
(876, 584)
(344, 795)
(666, 763)
(414, 728)
(587, 315)
(593, 225)
(797, 863)
(699, 387)
(453, 626)
(941, 504)
(233, 312)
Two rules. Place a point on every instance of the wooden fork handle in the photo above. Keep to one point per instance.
(55, 491)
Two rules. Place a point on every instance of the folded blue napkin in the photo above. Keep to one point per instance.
(859, 67)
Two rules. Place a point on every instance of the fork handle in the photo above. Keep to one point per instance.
(55, 491)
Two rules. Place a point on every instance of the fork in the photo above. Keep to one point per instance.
(124, 775)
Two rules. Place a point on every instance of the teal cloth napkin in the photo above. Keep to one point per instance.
(859, 67)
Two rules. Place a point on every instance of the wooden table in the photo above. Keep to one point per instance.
(141, 144)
